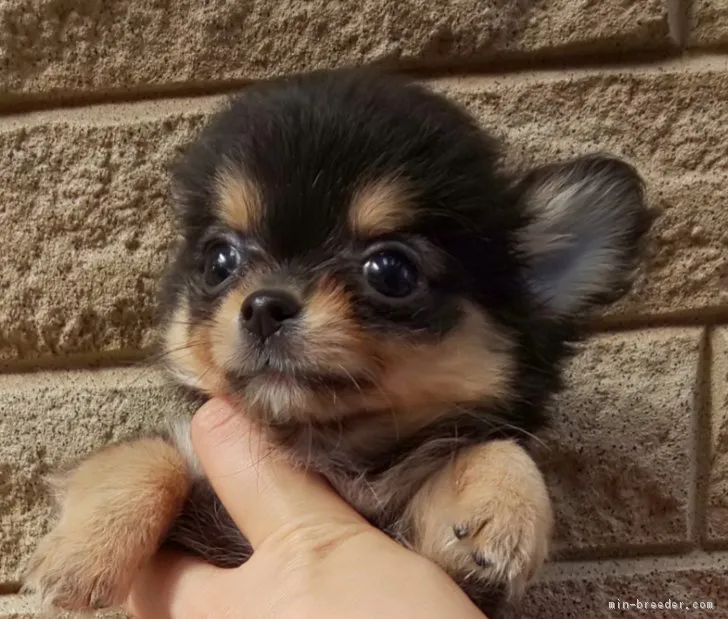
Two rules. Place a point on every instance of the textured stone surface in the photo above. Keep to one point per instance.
(53, 45)
(22, 607)
(709, 21)
(82, 202)
(717, 512)
(50, 418)
(84, 218)
(578, 590)
(672, 124)
(619, 463)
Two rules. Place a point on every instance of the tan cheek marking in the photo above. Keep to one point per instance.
(474, 364)
(187, 352)
(332, 333)
(225, 337)
(239, 200)
(379, 208)
(328, 306)
(226, 341)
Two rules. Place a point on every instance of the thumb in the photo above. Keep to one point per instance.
(262, 491)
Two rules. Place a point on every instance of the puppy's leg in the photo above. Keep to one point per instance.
(485, 518)
(115, 508)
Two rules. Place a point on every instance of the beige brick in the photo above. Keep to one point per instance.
(709, 23)
(672, 124)
(576, 590)
(717, 510)
(618, 459)
(50, 418)
(82, 203)
(96, 45)
(84, 220)
(22, 607)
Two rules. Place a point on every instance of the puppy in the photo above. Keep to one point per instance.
(356, 269)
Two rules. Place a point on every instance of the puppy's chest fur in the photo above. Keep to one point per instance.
(368, 464)
(364, 459)
(367, 461)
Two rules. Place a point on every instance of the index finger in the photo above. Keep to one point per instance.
(262, 491)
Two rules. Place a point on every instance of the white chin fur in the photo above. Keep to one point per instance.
(178, 430)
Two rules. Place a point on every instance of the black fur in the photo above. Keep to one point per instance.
(308, 142)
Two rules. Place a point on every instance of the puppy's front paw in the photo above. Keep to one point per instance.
(70, 571)
(501, 537)
(486, 519)
(115, 508)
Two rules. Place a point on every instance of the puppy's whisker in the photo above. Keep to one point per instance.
(351, 378)
(309, 455)
(181, 323)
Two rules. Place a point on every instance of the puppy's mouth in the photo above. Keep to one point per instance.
(306, 379)
(283, 373)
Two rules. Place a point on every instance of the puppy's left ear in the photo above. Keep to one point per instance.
(586, 219)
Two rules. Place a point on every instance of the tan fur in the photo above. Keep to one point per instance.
(223, 333)
(495, 497)
(238, 200)
(329, 340)
(380, 208)
(188, 353)
(412, 383)
(115, 508)
(333, 334)
(473, 364)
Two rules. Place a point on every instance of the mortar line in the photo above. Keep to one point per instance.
(128, 358)
(706, 317)
(513, 63)
(178, 101)
(623, 552)
(678, 20)
(632, 566)
(133, 358)
(701, 448)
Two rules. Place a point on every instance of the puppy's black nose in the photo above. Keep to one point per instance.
(265, 311)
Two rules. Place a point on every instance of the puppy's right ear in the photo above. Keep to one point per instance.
(586, 218)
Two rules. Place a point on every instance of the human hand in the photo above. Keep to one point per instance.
(314, 555)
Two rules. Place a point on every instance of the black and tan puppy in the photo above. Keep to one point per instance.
(359, 274)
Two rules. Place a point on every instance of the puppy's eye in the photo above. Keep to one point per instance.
(391, 273)
(221, 261)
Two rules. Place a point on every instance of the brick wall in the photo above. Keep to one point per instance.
(97, 95)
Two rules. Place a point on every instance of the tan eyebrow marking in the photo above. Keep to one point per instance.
(238, 200)
(380, 207)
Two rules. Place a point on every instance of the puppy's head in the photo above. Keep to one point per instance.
(349, 248)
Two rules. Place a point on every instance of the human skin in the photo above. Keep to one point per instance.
(315, 557)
